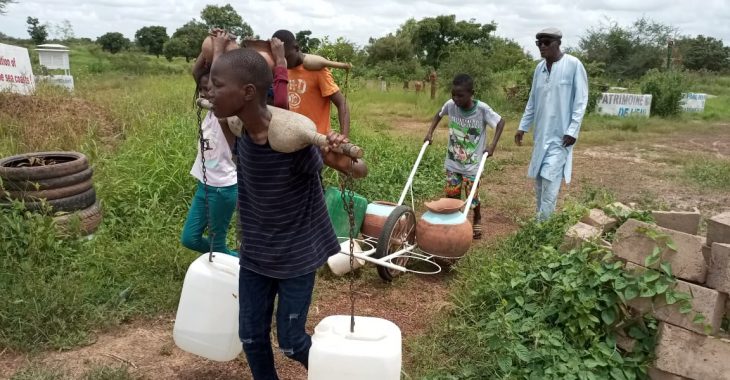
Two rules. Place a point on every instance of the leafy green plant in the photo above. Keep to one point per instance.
(666, 89)
(526, 310)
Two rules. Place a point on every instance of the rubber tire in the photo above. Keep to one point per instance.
(69, 204)
(383, 246)
(89, 220)
(75, 162)
(50, 183)
(62, 192)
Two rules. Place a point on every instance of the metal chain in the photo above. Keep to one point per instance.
(347, 185)
(204, 146)
(347, 189)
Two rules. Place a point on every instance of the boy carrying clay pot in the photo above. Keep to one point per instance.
(282, 211)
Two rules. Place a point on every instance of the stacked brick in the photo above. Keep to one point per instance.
(701, 265)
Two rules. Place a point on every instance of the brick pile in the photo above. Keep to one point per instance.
(701, 265)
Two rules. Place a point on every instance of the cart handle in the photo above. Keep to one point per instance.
(473, 191)
(413, 173)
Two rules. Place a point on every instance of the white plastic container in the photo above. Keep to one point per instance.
(207, 316)
(339, 263)
(372, 352)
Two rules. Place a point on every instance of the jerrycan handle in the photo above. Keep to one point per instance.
(365, 337)
(223, 268)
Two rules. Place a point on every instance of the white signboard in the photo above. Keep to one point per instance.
(613, 104)
(16, 73)
(53, 59)
(692, 102)
(58, 80)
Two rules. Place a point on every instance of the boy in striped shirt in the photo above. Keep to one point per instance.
(283, 217)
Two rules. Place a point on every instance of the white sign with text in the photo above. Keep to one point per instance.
(16, 73)
(614, 104)
(58, 80)
(693, 102)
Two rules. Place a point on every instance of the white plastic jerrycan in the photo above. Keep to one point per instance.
(339, 263)
(207, 316)
(372, 352)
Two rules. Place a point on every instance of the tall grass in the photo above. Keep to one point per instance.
(57, 288)
(98, 372)
(134, 265)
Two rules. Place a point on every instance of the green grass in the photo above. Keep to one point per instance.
(134, 265)
(98, 372)
(522, 309)
(57, 288)
(708, 173)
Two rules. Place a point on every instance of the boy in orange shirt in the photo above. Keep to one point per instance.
(310, 92)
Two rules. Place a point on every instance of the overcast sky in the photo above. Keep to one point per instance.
(357, 20)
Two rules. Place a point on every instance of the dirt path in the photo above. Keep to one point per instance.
(642, 172)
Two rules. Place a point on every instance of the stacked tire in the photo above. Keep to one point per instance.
(63, 180)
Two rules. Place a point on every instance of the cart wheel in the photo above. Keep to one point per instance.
(398, 230)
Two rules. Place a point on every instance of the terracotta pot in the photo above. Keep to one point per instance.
(375, 216)
(344, 164)
(263, 48)
(445, 205)
(290, 131)
(315, 62)
(444, 235)
(207, 48)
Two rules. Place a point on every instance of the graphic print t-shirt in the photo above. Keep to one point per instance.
(309, 95)
(467, 135)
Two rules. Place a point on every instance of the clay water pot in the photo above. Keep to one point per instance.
(207, 47)
(315, 62)
(344, 164)
(375, 215)
(290, 132)
(445, 205)
(447, 233)
(263, 48)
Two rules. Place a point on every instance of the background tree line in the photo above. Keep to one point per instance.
(617, 54)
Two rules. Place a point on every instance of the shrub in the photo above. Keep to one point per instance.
(468, 60)
(665, 88)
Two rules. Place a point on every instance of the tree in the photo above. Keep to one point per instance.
(38, 33)
(64, 31)
(390, 48)
(432, 36)
(113, 42)
(392, 56)
(505, 54)
(152, 39)
(628, 51)
(467, 59)
(3, 4)
(175, 47)
(227, 18)
(705, 53)
(341, 50)
(307, 44)
(186, 41)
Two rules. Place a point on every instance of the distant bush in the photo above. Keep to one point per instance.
(468, 60)
(666, 89)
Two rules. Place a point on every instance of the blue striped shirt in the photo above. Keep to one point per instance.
(284, 222)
